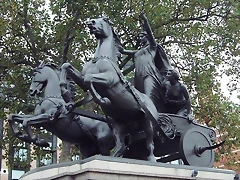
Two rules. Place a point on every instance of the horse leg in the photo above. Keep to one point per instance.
(103, 147)
(100, 78)
(106, 143)
(17, 133)
(76, 76)
(12, 119)
(87, 150)
(17, 117)
(119, 139)
(63, 75)
(148, 129)
(39, 119)
(13, 126)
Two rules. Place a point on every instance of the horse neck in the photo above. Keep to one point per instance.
(106, 47)
(52, 88)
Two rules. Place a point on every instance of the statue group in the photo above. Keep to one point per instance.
(151, 120)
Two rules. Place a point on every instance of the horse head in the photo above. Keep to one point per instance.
(100, 27)
(104, 32)
(40, 77)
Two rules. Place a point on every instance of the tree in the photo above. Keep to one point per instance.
(201, 39)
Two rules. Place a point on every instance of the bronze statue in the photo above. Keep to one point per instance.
(151, 66)
(134, 117)
(176, 96)
(149, 120)
(131, 110)
(90, 135)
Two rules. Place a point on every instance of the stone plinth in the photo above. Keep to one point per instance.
(109, 168)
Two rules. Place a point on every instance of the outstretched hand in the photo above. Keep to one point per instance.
(142, 16)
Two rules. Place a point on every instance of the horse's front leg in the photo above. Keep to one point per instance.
(102, 79)
(19, 117)
(68, 70)
(12, 119)
(63, 82)
(119, 140)
(36, 120)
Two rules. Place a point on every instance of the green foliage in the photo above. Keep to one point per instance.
(200, 37)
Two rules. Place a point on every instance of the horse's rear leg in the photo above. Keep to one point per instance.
(105, 144)
(120, 143)
(149, 139)
(88, 150)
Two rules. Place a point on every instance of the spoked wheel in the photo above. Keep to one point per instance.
(192, 148)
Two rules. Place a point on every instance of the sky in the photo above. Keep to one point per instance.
(224, 87)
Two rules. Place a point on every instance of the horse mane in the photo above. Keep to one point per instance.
(115, 36)
(69, 83)
(117, 43)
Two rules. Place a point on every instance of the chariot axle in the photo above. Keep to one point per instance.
(199, 150)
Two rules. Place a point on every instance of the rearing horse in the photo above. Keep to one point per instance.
(90, 135)
(130, 110)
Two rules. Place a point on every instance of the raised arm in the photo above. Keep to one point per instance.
(125, 51)
(148, 29)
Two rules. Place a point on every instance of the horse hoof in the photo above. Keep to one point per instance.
(105, 101)
(152, 159)
(25, 138)
(69, 107)
(10, 117)
(118, 151)
(18, 133)
(42, 143)
(62, 84)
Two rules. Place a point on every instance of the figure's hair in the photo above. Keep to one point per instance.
(175, 74)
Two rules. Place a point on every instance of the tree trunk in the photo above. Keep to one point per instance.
(65, 154)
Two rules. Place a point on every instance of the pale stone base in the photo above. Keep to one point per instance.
(109, 168)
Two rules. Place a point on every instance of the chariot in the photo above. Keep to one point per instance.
(192, 143)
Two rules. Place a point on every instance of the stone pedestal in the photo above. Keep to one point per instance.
(109, 168)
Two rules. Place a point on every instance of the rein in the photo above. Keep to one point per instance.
(48, 98)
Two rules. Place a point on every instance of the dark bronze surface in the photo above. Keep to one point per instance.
(151, 119)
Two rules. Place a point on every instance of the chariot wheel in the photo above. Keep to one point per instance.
(192, 148)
